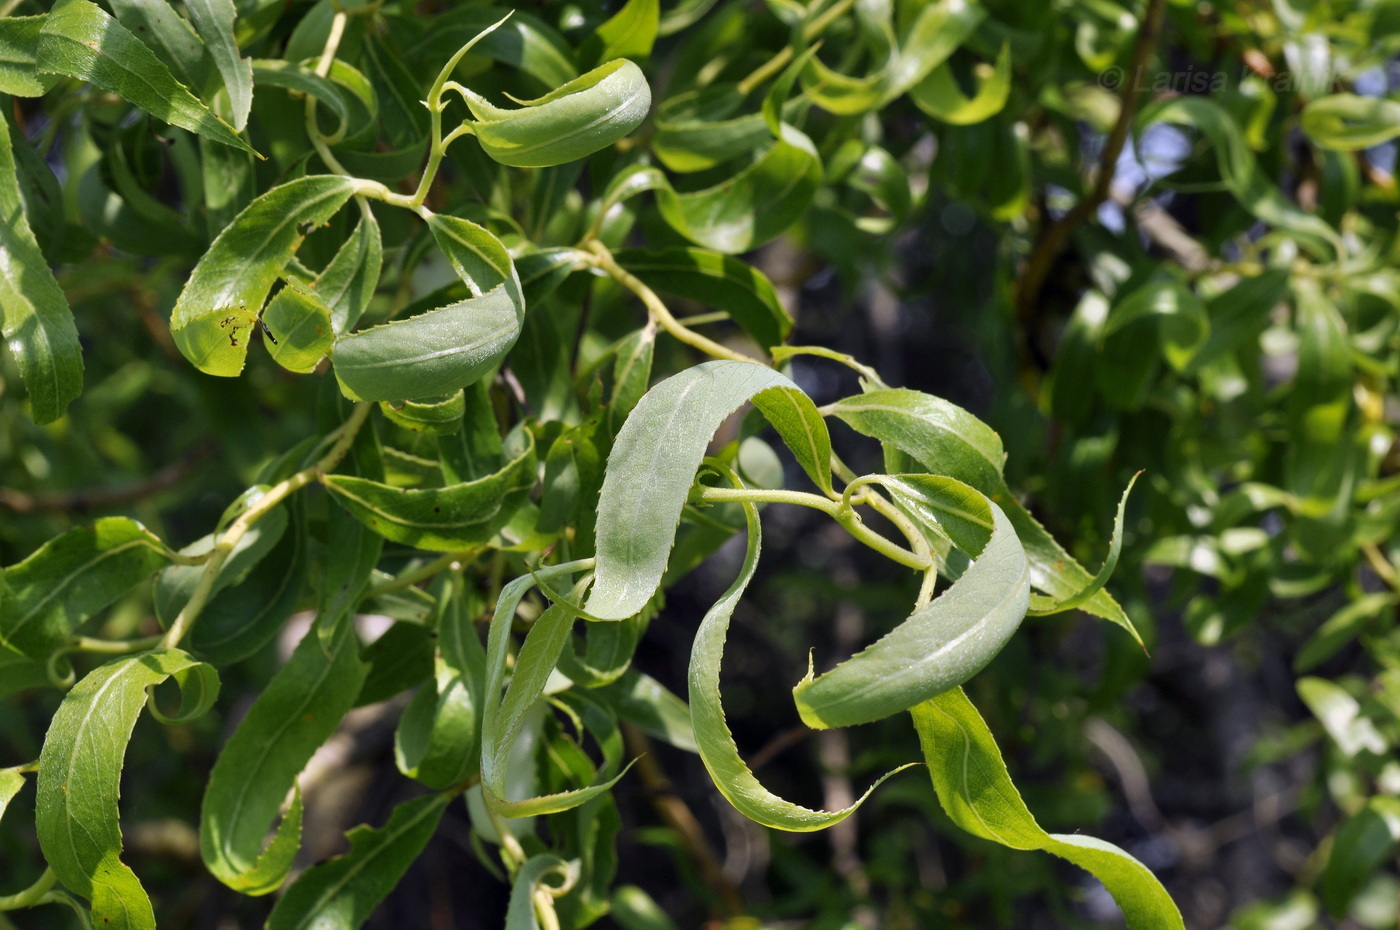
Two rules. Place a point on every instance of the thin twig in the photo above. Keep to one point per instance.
(99, 498)
(676, 815)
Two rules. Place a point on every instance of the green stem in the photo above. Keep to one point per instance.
(598, 255)
(345, 436)
(113, 647)
(31, 895)
(780, 61)
(423, 572)
(848, 519)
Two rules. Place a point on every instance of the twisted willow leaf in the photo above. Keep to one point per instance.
(976, 791)
(568, 123)
(34, 314)
(939, 95)
(80, 40)
(1348, 123)
(443, 417)
(934, 33)
(71, 577)
(214, 316)
(295, 713)
(630, 33)
(342, 892)
(443, 350)
(80, 772)
(947, 440)
(523, 42)
(291, 75)
(1239, 171)
(716, 744)
(654, 460)
(213, 21)
(645, 703)
(753, 206)
(532, 877)
(503, 717)
(458, 516)
(939, 646)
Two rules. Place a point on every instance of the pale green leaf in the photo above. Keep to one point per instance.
(438, 416)
(938, 647)
(214, 317)
(1348, 123)
(299, 328)
(630, 33)
(947, 440)
(569, 123)
(977, 793)
(348, 282)
(654, 460)
(715, 743)
(80, 774)
(939, 95)
(536, 874)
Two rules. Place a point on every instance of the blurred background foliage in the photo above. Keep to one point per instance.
(1158, 236)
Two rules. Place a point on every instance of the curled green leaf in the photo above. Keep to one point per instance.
(974, 788)
(654, 460)
(734, 779)
(569, 123)
(80, 772)
(939, 646)
(215, 314)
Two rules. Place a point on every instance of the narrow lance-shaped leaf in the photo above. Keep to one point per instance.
(939, 95)
(716, 744)
(347, 284)
(34, 314)
(753, 206)
(70, 578)
(630, 33)
(441, 519)
(443, 350)
(80, 773)
(568, 123)
(443, 417)
(977, 793)
(438, 738)
(82, 41)
(653, 463)
(940, 645)
(344, 891)
(295, 713)
(213, 19)
(1042, 606)
(504, 716)
(215, 314)
(947, 440)
(1348, 122)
